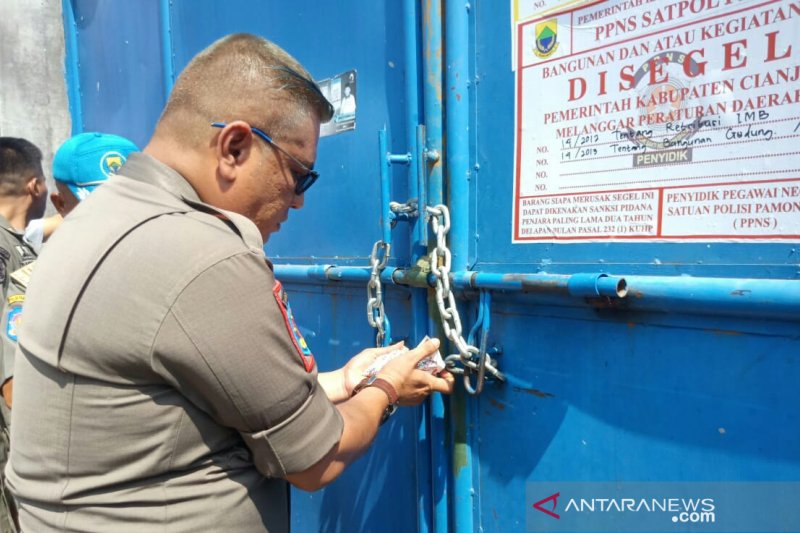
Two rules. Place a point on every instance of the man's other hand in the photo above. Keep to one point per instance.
(413, 385)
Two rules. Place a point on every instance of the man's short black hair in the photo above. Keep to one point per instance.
(20, 160)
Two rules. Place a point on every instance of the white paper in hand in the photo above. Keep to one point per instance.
(433, 363)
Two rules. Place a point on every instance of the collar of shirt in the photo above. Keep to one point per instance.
(6, 225)
(147, 169)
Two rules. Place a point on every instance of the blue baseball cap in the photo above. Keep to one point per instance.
(87, 160)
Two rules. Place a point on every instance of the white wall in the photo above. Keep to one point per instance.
(33, 92)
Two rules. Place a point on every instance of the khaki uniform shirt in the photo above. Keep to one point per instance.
(16, 257)
(161, 383)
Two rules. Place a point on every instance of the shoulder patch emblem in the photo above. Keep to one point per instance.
(13, 323)
(297, 338)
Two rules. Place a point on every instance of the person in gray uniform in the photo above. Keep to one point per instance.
(162, 382)
(23, 197)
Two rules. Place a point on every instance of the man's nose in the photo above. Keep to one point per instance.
(299, 200)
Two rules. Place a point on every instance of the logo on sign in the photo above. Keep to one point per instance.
(663, 86)
(546, 38)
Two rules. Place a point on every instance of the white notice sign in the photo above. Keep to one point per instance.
(659, 121)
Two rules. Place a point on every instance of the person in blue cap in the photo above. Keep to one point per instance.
(84, 162)
(81, 164)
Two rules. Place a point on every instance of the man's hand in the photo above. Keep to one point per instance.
(339, 384)
(8, 392)
(362, 413)
(353, 371)
(413, 385)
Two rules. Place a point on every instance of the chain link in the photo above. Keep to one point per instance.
(406, 211)
(472, 359)
(376, 316)
(408, 207)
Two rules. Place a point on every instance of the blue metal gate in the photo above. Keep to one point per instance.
(625, 361)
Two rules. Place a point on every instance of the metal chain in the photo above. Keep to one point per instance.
(376, 316)
(472, 359)
(406, 211)
(408, 207)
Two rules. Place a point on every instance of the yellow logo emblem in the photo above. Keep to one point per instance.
(546, 38)
(111, 162)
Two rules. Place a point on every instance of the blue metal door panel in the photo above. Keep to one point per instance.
(341, 218)
(634, 398)
(608, 394)
(338, 224)
(118, 60)
(328, 38)
(379, 491)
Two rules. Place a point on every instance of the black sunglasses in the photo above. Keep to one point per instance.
(301, 183)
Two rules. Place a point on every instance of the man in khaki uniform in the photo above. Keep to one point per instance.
(161, 382)
(23, 196)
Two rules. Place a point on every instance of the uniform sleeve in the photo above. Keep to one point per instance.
(227, 345)
(10, 319)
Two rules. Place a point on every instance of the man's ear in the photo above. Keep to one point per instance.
(36, 187)
(58, 202)
(234, 146)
